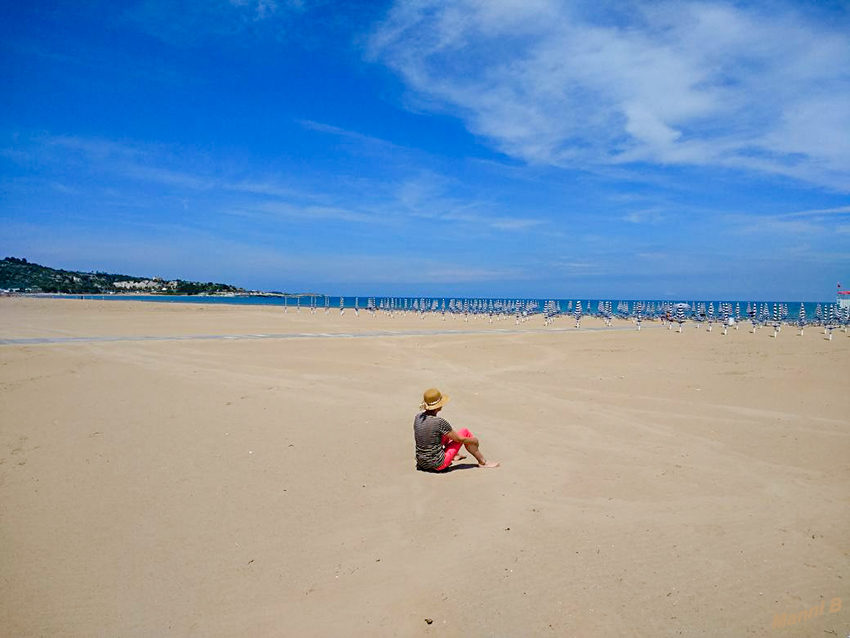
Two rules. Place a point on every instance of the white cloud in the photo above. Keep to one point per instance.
(649, 216)
(819, 212)
(420, 197)
(425, 196)
(794, 228)
(363, 141)
(164, 176)
(268, 188)
(316, 213)
(59, 187)
(261, 9)
(572, 84)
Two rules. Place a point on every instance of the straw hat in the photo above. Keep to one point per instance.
(433, 399)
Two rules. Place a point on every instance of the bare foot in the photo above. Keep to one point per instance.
(459, 457)
(489, 464)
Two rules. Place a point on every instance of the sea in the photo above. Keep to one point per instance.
(589, 306)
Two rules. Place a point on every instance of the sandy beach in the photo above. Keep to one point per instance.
(247, 482)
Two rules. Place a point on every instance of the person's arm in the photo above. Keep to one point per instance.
(454, 436)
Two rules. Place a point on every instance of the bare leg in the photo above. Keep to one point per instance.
(448, 444)
(482, 462)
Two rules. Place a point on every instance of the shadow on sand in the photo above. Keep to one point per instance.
(459, 466)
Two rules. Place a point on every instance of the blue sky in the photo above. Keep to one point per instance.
(476, 147)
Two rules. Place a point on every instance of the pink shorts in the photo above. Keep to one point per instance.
(451, 448)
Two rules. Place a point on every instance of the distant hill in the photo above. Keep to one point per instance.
(20, 275)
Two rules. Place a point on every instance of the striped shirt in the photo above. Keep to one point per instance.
(428, 431)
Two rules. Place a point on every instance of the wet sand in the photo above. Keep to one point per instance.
(652, 483)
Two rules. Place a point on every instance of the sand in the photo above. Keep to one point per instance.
(652, 483)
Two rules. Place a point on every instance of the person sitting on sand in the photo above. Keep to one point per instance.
(437, 444)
